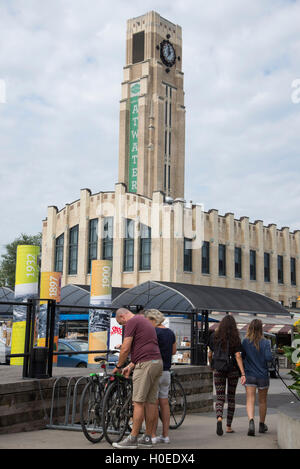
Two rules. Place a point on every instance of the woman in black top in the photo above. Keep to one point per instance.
(226, 341)
(167, 345)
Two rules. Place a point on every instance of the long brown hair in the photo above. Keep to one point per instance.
(227, 332)
(255, 332)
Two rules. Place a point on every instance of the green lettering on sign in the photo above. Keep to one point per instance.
(133, 138)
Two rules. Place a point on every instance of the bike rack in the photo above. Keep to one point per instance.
(71, 400)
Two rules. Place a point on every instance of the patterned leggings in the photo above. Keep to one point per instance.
(220, 385)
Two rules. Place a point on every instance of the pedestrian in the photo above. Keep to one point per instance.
(140, 341)
(167, 345)
(226, 361)
(256, 355)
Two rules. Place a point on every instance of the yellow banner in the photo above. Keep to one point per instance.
(27, 266)
(50, 289)
(99, 319)
(18, 341)
(26, 287)
(50, 286)
(101, 278)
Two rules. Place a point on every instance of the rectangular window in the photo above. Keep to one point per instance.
(59, 253)
(138, 46)
(222, 259)
(145, 248)
(129, 246)
(293, 271)
(237, 262)
(280, 268)
(107, 238)
(267, 266)
(205, 257)
(187, 255)
(252, 265)
(73, 250)
(93, 243)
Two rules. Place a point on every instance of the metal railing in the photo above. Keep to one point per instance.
(198, 346)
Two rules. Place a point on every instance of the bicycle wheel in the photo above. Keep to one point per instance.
(116, 411)
(91, 411)
(177, 403)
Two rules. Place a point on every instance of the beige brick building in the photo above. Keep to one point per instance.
(145, 226)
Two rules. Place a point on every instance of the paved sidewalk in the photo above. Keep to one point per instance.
(197, 432)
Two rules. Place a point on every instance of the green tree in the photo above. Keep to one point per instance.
(8, 263)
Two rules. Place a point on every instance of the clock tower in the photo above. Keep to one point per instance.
(152, 111)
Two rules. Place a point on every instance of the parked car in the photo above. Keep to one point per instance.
(78, 360)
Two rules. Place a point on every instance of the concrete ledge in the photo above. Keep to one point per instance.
(25, 404)
(288, 426)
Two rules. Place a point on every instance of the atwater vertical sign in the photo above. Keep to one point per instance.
(133, 138)
(26, 287)
(99, 319)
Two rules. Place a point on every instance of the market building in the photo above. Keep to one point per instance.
(145, 226)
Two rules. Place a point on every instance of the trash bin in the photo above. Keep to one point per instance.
(39, 361)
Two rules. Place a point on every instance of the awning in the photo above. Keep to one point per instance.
(6, 311)
(167, 296)
(79, 295)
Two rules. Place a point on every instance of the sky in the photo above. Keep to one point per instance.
(61, 68)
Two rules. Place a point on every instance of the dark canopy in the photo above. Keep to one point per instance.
(184, 297)
(6, 311)
(79, 295)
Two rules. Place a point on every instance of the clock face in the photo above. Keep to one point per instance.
(167, 53)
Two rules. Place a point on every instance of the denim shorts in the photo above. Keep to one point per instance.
(261, 383)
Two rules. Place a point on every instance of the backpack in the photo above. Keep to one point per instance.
(222, 361)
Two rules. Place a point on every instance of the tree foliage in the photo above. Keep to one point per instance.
(8, 262)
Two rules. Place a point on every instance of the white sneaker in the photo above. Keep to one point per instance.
(163, 439)
(155, 440)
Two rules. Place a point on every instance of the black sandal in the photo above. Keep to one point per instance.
(251, 430)
(219, 428)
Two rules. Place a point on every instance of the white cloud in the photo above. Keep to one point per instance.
(62, 65)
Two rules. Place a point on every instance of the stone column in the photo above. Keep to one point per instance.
(230, 246)
(260, 281)
(245, 252)
(83, 235)
(273, 261)
(214, 247)
(48, 240)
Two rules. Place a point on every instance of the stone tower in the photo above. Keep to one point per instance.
(152, 111)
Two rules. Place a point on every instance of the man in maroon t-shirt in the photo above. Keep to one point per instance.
(140, 341)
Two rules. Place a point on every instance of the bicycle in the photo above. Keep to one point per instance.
(91, 402)
(177, 402)
(117, 409)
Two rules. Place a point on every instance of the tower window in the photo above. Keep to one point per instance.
(59, 253)
(93, 242)
(252, 265)
(222, 259)
(205, 257)
(238, 262)
(73, 250)
(187, 254)
(293, 271)
(138, 45)
(145, 248)
(280, 268)
(129, 246)
(107, 246)
(267, 266)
